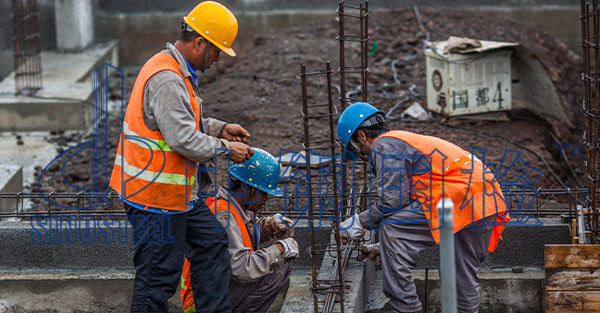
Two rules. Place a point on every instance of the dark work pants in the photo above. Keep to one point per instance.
(161, 242)
(256, 297)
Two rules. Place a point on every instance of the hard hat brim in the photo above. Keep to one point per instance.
(276, 192)
(349, 155)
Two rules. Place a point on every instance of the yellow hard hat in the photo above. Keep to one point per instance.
(214, 22)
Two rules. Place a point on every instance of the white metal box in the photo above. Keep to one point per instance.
(469, 83)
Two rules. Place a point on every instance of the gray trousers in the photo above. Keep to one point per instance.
(400, 246)
(258, 295)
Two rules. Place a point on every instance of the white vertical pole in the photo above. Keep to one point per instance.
(447, 261)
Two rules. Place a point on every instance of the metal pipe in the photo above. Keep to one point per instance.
(447, 261)
(580, 224)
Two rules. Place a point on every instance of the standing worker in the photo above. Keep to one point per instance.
(431, 169)
(164, 137)
(257, 275)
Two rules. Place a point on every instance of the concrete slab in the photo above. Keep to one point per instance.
(299, 298)
(522, 246)
(11, 180)
(44, 243)
(501, 291)
(70, 291)
(35, 151)
(62, 103)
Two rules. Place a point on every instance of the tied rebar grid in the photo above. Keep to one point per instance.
(26, 47)
(521, 203)
(322, 111)
(590, 32)
(101, 167)
(360, 13)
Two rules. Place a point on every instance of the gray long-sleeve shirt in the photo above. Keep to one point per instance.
(394, 162)
(167, 108)
(246, 266)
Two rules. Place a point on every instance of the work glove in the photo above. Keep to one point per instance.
(290, 247)
(350, 229)
(284, 227)
(371, 252)
(273, 227)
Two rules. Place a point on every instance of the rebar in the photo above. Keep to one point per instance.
(331, 288)
(590, 32)
(26, 47)
(564, 201)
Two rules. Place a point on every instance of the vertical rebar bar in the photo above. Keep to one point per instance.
(342, 56)
(594, 134)
(311, 233)
(591, 105)
(338, 242)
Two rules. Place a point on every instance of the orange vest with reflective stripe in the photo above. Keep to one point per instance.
(458, 175)
(187, 297)
(146, 170)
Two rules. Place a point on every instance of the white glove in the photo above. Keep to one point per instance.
(351, 228)
(286, 230)
(290, 248)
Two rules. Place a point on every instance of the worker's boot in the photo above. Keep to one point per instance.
(388, 308)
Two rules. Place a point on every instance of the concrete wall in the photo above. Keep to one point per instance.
(145, 28)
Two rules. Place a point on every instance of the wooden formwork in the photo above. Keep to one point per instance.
(572, 278)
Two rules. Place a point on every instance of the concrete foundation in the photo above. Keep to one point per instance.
(11, 180)
(521, 246)
(99, 267)
(63, 102)
(70, 291)
(74, 24)
(501, 292)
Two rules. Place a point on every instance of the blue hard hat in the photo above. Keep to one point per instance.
(356, 115)
(261, 172)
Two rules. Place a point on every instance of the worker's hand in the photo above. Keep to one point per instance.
(275, 227)
(290, 248)
(240, 152)
(371, 252)
(351, 229)
(283, 227)
(235, 132)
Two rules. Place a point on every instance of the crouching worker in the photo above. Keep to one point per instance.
(257, 275)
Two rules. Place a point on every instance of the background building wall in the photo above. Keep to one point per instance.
(143, 27)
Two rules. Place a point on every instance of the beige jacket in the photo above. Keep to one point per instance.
(246, 266)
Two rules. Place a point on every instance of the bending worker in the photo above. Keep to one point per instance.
(164, 137)
(257, 275)
(413, 173)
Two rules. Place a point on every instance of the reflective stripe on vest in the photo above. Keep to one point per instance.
(454, 173)
(159, 145)
(150, 176)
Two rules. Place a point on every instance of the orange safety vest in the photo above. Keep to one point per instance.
(146, 170)
(456, 174)
(187, 297)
